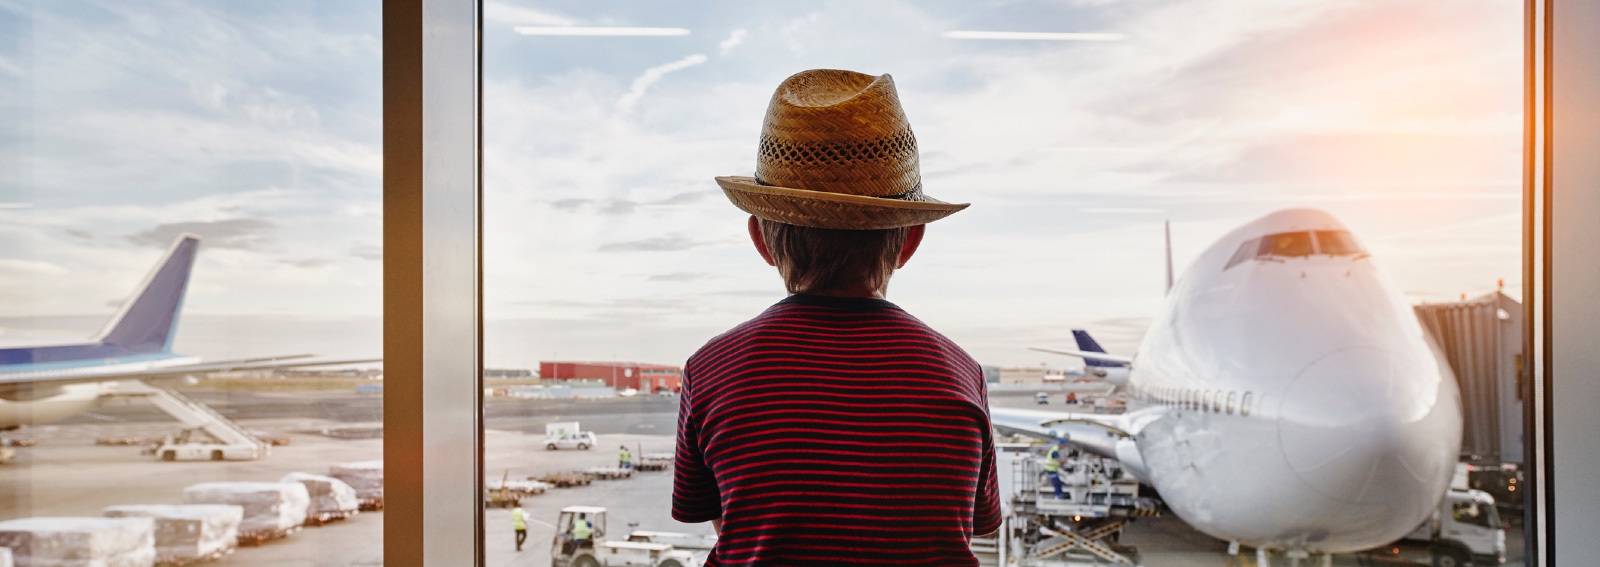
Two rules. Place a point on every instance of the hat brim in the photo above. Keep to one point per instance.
(821, 209)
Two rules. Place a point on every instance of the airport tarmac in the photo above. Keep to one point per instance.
(67, 474)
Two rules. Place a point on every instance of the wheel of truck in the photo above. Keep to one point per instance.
(585, 561)
(216, 454)
(670, 563)
(1449, 557)
(550, 447)
(583, 446)
(169, 455)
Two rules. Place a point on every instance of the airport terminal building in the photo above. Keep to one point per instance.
(619, 375)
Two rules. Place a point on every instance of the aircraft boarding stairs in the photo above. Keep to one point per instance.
(195, 416)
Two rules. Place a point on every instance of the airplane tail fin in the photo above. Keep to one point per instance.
(1168, 227)
(1087, 343)
(147, 321)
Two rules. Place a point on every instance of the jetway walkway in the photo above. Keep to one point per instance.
(233, 439)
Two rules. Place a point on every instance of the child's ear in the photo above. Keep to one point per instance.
(761, 242)
(913, 240)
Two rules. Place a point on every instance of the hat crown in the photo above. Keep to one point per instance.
(838, 132)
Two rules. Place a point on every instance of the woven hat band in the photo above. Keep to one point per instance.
(878, 166)
(913, 194)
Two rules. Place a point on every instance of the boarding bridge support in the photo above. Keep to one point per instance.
(230, 438)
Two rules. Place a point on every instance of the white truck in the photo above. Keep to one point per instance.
(1465, 530)
(566, 435)
(641, 549)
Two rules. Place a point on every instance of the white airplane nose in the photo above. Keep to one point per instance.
(1369, 426)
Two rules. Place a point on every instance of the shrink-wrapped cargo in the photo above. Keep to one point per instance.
(271, 509)
(5, 557)
(364, 476)
(188, 532)
(331, 498)
(80, 542)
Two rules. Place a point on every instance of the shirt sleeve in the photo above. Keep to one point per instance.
(986, 509)
(695, 497)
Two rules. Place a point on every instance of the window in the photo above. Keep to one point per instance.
(1233, 399)
(1287, 244)
(1337, 243)
(1246, 251)
(1244, 405)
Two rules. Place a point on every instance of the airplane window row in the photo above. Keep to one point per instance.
(1214, 401)
(1297, 245)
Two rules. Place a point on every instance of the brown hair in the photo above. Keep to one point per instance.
(820, 260)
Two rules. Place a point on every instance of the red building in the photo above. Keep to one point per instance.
(619, 375)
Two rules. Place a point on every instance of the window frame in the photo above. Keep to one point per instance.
(433, 317)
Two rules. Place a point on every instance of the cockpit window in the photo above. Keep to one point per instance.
(1246, 251)
(1291, 244)
(1337, 243)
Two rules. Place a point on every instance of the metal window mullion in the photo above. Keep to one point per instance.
(432, 279)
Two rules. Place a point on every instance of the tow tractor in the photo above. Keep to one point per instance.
(1465, 530)
(641, 548)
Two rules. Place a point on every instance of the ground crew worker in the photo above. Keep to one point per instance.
(519, 522)
(1052, 467)
(624, 458)
(582, 533)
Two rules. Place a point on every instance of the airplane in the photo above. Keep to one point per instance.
(45, 382)
(1285, 398)
(1097, 364)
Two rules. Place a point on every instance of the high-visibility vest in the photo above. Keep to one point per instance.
(625, 456)
(581, 530)
(519, 519)
(1052, 463)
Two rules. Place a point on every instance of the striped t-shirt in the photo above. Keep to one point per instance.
(831, 431)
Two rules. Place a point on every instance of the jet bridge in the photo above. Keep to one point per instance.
(207, 434)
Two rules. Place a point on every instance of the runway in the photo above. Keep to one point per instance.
(66, 474)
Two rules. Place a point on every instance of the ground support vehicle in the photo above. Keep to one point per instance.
(1465, 530)
(208, 435)
(1040, 530)
(642, 549)
(582, 440)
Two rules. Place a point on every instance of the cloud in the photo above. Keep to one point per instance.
(505, 14)
(309, 263)
(368, 252)
(734, 39)
(242, 234)
(651, 76)
(670, 243)
(31, 267)
(679, 277)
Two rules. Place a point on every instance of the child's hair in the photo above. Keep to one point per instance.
(818, 260)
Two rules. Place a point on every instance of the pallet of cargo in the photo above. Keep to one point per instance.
(609, 473)
(253, 538)
(565, 479)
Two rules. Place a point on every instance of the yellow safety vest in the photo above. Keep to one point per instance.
(519, 519)
(1052, 463)
(625, 456)
(581, 530)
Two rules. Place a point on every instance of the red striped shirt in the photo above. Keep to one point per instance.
(836, 431)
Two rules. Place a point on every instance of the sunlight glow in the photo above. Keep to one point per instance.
(1034, 36)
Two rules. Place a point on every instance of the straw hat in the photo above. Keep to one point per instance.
(836, 152)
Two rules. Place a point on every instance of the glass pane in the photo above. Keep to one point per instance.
(1074, 129)
(190, 200)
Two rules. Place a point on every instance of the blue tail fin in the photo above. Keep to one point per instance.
(1087, 343)
(147, 322)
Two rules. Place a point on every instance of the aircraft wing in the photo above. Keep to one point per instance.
(1086, 354)
(78, 376)
(1107, 435)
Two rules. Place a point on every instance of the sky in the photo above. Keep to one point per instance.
(258, 127)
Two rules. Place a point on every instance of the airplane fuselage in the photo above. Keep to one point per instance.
(1305, 406)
